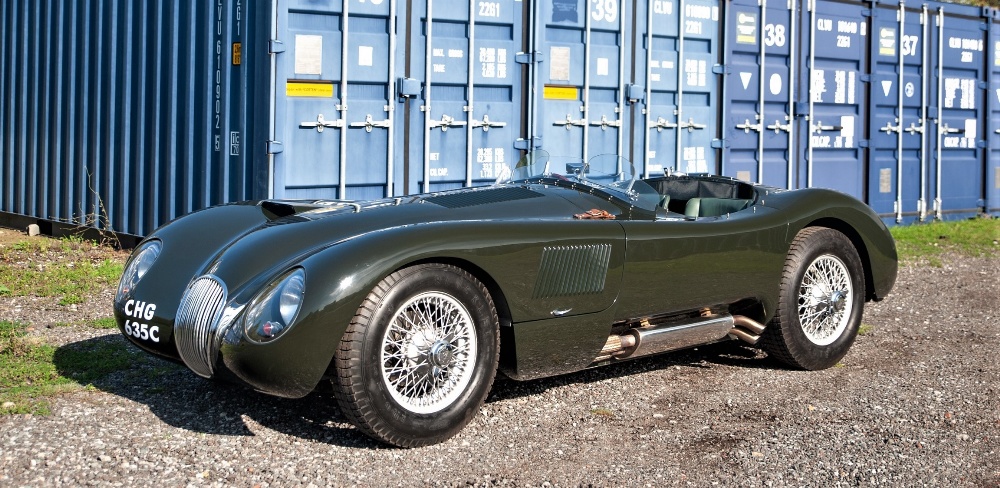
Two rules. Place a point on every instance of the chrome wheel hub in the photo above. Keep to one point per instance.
(825, 302)
(428, 352)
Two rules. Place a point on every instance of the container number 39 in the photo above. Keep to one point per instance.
(606, 10)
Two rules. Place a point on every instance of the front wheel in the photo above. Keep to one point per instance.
(420, 356)
(820, 303)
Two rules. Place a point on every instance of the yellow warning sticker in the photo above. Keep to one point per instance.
(561, 93)
(309, 88)
(237, 54)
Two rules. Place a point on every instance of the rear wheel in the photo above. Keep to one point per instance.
(820, 303)
(419, 357)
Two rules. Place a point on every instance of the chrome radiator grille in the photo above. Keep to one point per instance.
(197, 322)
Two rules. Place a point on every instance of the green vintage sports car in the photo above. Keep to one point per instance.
(411, 305)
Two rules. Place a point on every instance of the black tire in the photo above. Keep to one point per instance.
(829, 308)
(405, 409)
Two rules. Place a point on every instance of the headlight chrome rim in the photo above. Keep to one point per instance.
(277, 306)
(137, 267)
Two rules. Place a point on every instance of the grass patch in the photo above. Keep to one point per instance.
(602, 412)
(70, 268)
(29, 374)
(973, 237)
(865, 329)
(104, 323)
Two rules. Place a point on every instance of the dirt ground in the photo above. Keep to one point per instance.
(915, 403)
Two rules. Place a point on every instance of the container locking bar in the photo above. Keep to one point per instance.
(321, 123)
(662, 123)
(570, 121)
(486, 123)
(604, 123)
(691, 125)
(777, 126)
(747, 127)
(368, 124)
(446, 122)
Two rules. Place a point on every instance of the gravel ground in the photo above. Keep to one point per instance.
(915, 403)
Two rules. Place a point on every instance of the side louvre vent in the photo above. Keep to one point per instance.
(572, 270)
(483, 197)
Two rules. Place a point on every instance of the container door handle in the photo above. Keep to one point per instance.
(571, 122)
(446, 122)
(604, 123)
(368, 124)
(662, 123)
(819, 127)
(889, 128)
(690, 125)
(778, 126)
(951, 130)
(486, 123)
(913, 128)
(747, 126)
(321, 123)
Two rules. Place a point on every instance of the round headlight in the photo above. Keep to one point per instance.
(142, 259)
(273, 310)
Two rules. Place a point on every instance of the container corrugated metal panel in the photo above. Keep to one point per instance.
(899, 85)
(761, 39)
(129, 113)
(835, 51)
(579, 109)
(678, 49)
(958, 143)
(469, 111)
(993, 130)
(335, 100)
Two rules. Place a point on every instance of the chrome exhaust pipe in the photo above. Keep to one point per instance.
(746, 329)
(655, 339)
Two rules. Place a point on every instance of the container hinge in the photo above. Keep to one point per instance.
(719, 143)
(528, 144)
(866, 12)
(636, 93)
(981, 144)
(528, 58)
(984, 85)
(407, 87)
(866, 78)
(275, 147)
(863, 143)
(720, 69)
(275, 46)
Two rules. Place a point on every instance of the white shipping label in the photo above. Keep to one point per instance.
(308, 55)
(602, 66)
(559, 64)
(365, 55)
(970, 129)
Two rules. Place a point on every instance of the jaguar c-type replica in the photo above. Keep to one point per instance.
(410, 306)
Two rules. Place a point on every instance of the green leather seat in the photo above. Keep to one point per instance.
(714, 207)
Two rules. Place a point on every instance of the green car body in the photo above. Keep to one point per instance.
(561, 284)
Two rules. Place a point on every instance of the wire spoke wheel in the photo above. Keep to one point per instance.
(820, 301)
(825, 300)
(428, 352)
(418, 359)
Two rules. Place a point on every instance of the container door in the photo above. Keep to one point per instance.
(677, 52)
(993, 135)
(959, 142)
(899, 99)
(759, 93)
(836, 55)
(581, 78)
(467, 114)
(335, 64)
